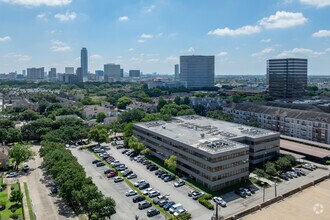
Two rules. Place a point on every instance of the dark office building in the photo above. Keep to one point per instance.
(134, 73)
(79, 74)
(287, 78)
(52, 73)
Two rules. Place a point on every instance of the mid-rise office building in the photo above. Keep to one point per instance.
(36, 73)
(134, 73)
(84, 62)
(121, 72)
(68, 78)
(52, 73)
(287, 78)
(99, 73)
(197, 71)
(111, 70)
(69, 70)
(176, 71)
(214, 153)
(79, 74)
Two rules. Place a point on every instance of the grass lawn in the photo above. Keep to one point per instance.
(28, 200)
(11, 208)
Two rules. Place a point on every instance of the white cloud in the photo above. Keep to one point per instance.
(149, 9)
(4, 39)
(171, 59)
(327, 50)
(283, 19)
(299, 52)
(152, 60)
(222, 54)
(95, 57)
(38, 2)
(18, 57)
(141, 41)
(131, 49)
(123, 18)
(266, 40)
(322, 33)
(147, 36)
(42, 16)
(316, 3)
(263, 52)
(68, 16)
(59, 46)
(190, 50)
(245, 30)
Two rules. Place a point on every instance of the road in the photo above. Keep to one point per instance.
(125, 208)
(45, 206)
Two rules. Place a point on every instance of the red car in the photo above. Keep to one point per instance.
(112, 174)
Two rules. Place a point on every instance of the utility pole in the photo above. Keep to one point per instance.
(263, 192)
(275, 190)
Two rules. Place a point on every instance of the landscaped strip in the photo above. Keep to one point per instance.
(168, 216)
(28, 200)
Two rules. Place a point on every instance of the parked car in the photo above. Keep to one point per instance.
(136, 184)
(153, 194)
(144, 186)
(126, 172)
(131, 193)
(152, 212)
(168, 205)
(95, 161)
(100, 164)
(144, 205)
(190, 193)
(241, 193)
(179, 212)
(247, 192)
(179, 183)
(220, 201)
(138, 199)
(309, 166)
(294, 174)
(159, 198)
(175, 208)
(299, 171)
(146, 162)
(284, 176)
(112, 174)
(53, 189)
(197, 195)
(145, 192)
(169, 178)
(124, 151)
(121, 167)
(120, 146)
(132, 176)
(118, 179)
(107, 171)
(162, 202)
(11, 175)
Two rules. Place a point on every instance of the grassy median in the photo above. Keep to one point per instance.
(28, 200)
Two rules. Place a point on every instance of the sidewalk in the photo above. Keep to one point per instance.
(271, 183)
(25, 206)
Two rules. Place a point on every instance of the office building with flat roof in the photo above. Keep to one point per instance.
(36, 73)
(69, 70)
(214, 153)
(134, 73)
(176, 71)
(84, 62)
(52, 73)
(287, 78)
(111, 70)
(197, 71)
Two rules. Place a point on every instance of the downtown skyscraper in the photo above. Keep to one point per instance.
(84, 62)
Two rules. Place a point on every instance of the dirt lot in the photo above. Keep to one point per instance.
(311, 204)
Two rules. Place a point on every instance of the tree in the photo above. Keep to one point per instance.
(128, 130)
(100, 117)
(283, 164)
(29, 115)
(145, 151)
(218, 114)
(13, 135)
(170, 163)
(21, 153)
(16, 196)
(134, 144)
(271, 169)
(123, 102)
(186, 100)
(106, 208)
(254, 123)
(99, 135)
(161, 103)
(131, 115)
(177, 100)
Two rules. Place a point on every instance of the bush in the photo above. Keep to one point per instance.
(203, 200)
(261, 173)
(2, 205)
(184, 216)
(14, 216)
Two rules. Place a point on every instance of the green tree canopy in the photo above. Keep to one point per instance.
(21, 153)
(170, 163)
(99, 135)
(100, 116)
(134, 144)
(123, 102)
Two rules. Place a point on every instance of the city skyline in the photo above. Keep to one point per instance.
(151, 35)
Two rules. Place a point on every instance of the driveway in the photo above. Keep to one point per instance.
(45, 206)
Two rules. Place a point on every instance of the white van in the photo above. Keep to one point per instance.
(175, 208)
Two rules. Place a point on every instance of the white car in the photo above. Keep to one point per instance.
(153, 194)
(179, 212)
(145, 192)
(139, 182)
(11, 175)
(179, 183)
(131, 193)
(220, 201)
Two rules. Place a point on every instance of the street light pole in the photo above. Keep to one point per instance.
(275, 189)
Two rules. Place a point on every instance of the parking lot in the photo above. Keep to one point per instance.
(125, 208)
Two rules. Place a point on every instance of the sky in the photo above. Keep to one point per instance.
(151, 34)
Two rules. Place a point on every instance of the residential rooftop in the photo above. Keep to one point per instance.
(207, 134)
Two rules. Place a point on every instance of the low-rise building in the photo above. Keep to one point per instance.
(4, 157)
(305, 124)
(214, 153)
(91, 111)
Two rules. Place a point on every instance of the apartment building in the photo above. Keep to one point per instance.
(309, 125)
(214, 153)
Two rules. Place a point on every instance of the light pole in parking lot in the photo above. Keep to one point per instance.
(275, 189)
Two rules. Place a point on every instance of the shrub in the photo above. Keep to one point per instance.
(14, 216)
(261, 173)
(2, 205)
(184, 216)
(205, 202)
